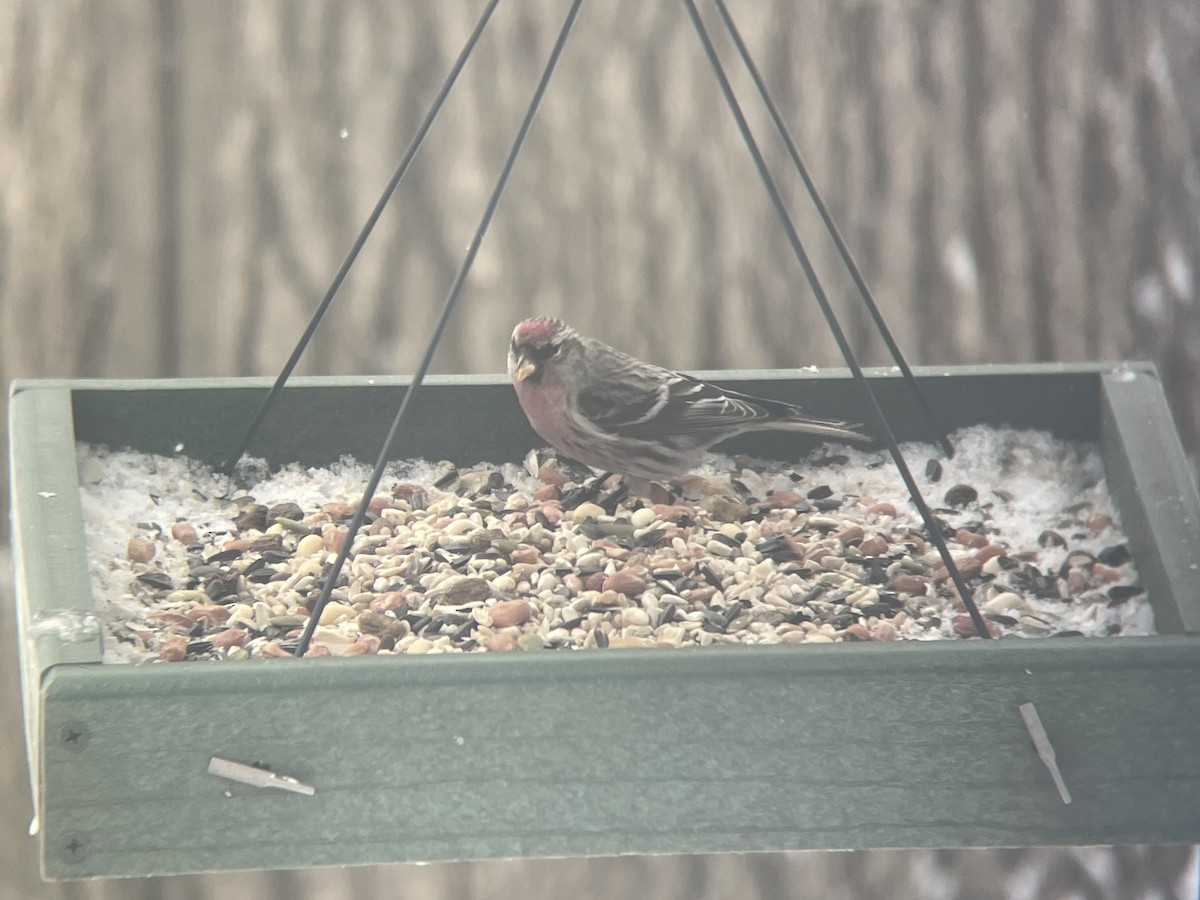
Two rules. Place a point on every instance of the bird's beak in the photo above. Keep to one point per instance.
(525, 367)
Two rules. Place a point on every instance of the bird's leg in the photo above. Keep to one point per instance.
(647, 490)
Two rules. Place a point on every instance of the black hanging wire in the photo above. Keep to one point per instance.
(360, 514)
(889, 438)
(831, 226)
(348, 262)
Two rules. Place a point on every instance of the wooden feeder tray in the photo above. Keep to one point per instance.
(906, 744)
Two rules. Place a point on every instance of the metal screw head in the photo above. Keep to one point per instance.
(74, 735)
(72, 847)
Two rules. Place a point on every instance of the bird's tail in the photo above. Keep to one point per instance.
(835, 429)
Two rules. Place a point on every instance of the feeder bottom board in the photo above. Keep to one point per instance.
(638, 751)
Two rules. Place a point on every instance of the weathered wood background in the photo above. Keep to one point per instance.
(178, 183)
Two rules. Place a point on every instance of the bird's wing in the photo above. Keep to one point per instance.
(641, 401)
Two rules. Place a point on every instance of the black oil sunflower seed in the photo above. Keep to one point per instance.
(160, 580)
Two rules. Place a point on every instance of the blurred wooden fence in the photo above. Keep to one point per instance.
(179, 181)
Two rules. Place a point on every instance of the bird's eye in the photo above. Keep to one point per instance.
(541, 353)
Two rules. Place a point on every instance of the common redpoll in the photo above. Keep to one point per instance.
(610, 411)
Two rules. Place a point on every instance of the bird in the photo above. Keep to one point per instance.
(618, 414)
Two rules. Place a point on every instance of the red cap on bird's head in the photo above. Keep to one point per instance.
(537, 331)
